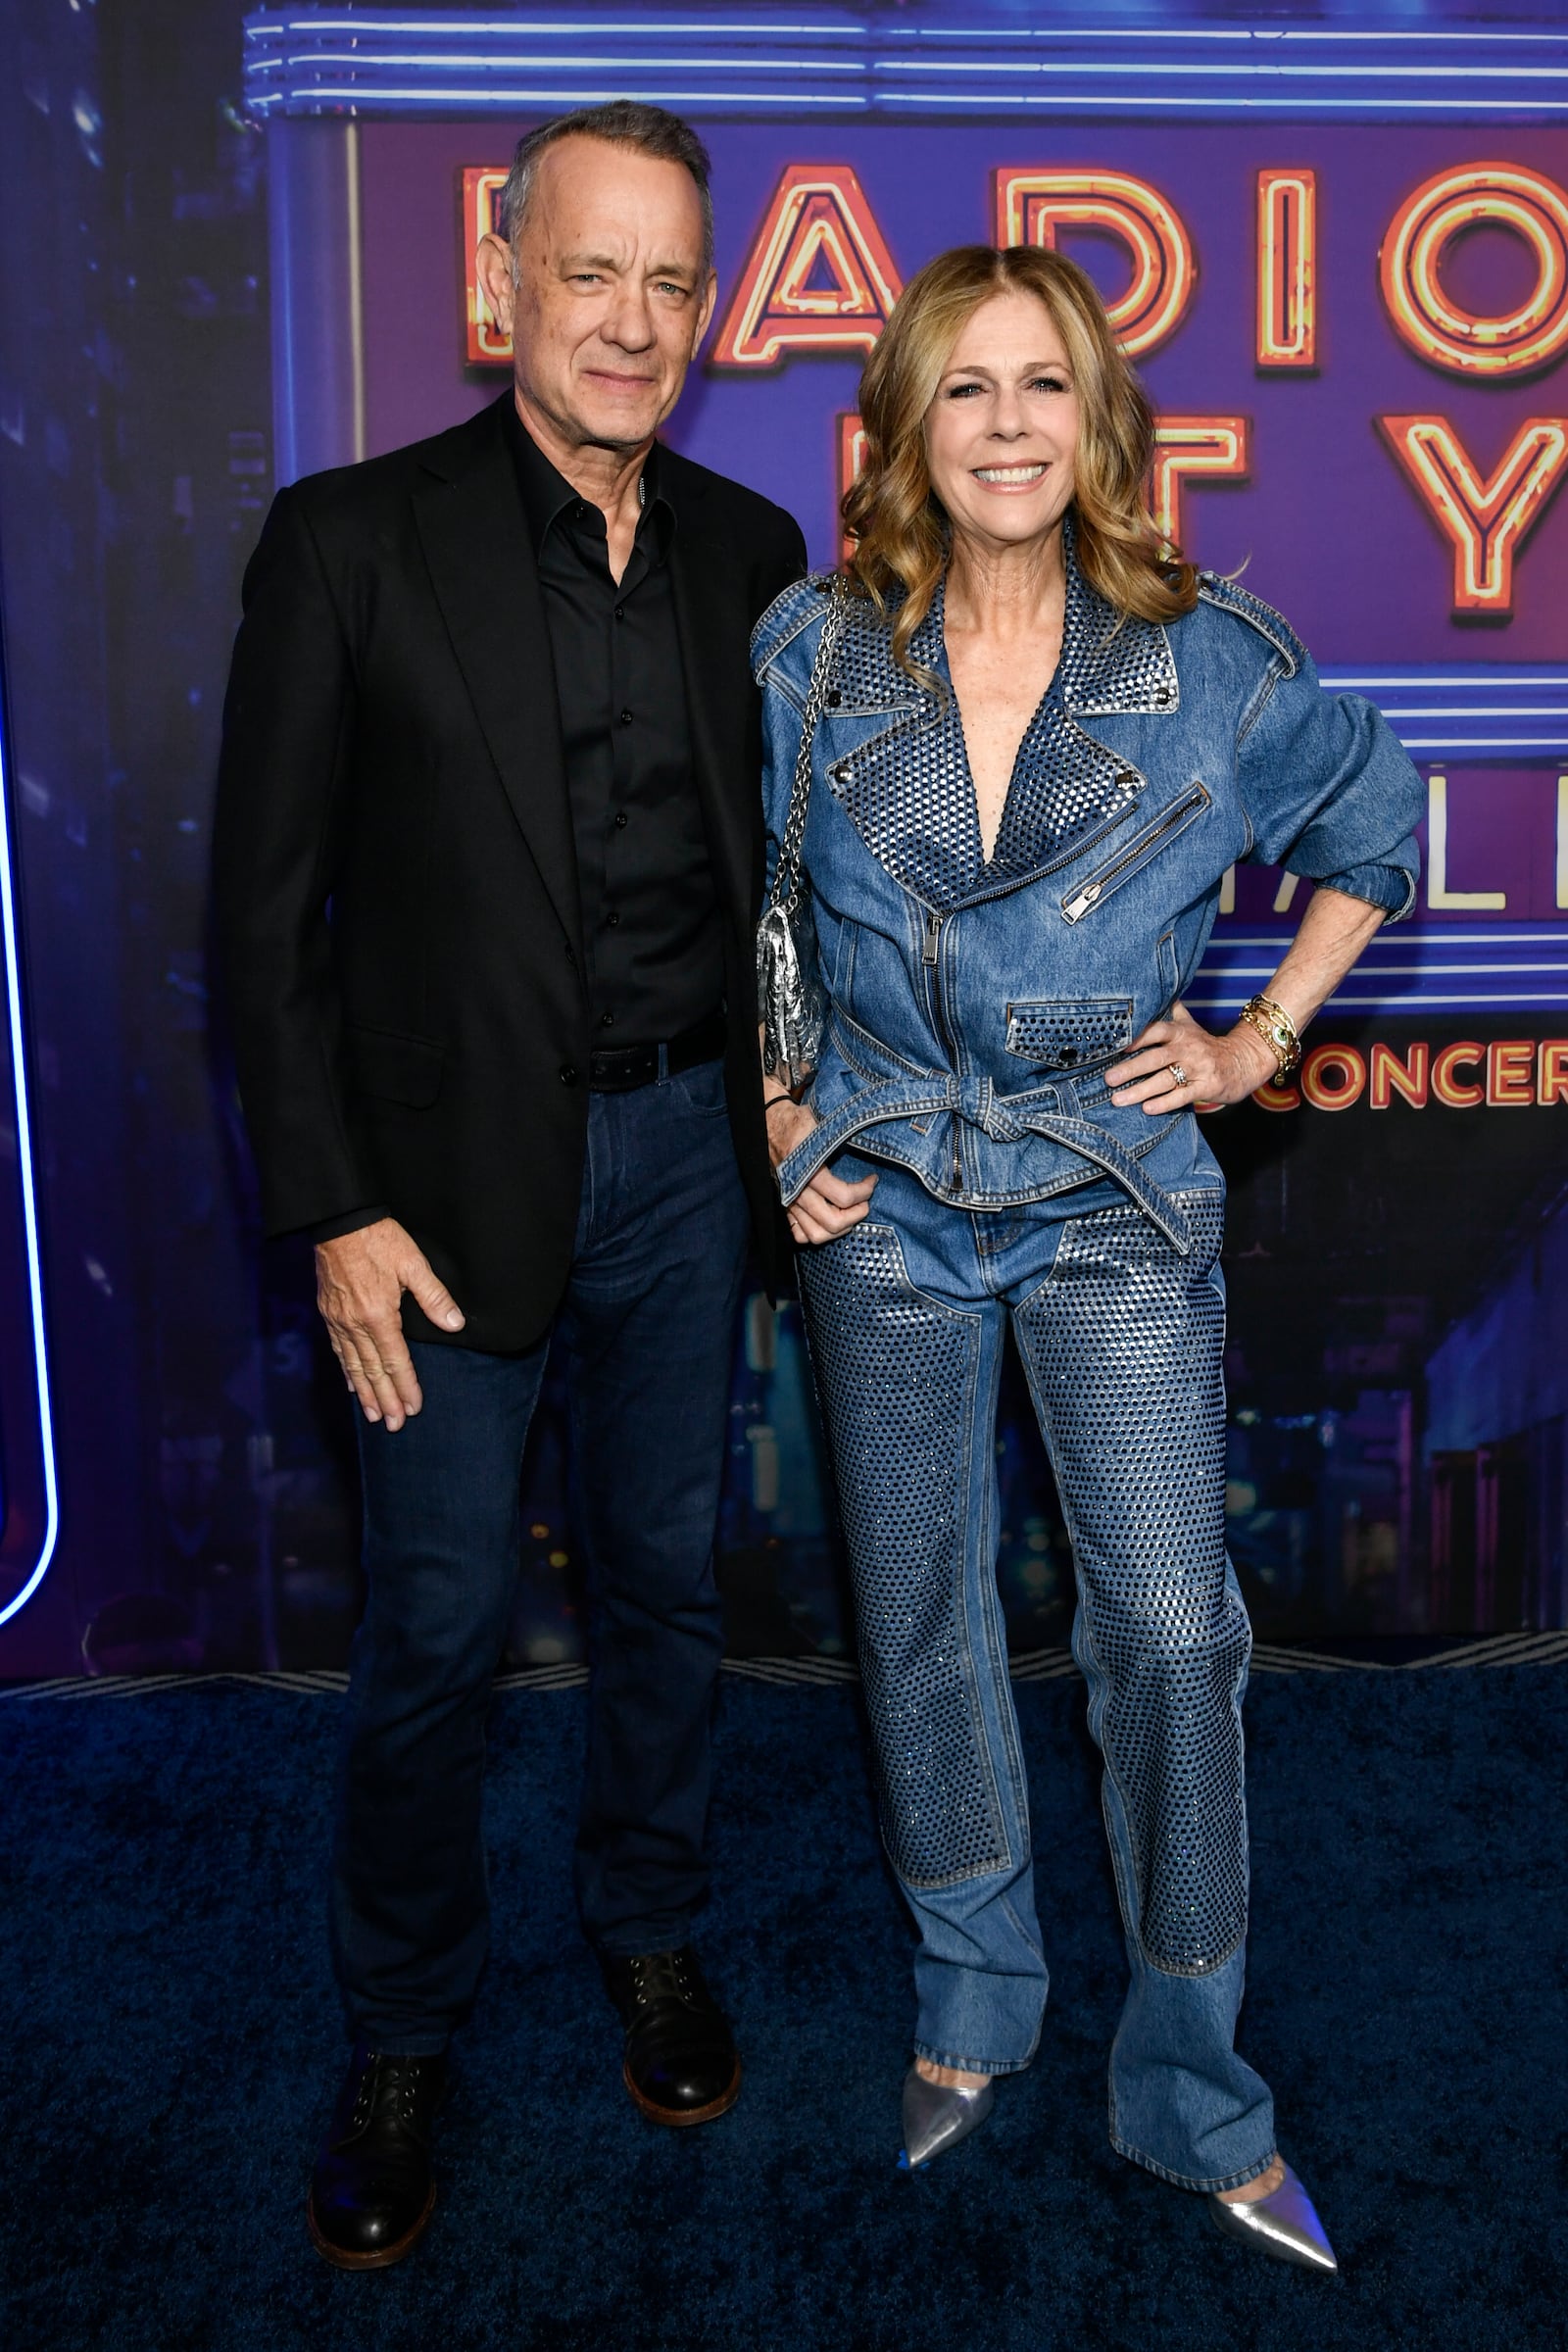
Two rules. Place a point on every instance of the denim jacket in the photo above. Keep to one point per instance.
(974, 1004)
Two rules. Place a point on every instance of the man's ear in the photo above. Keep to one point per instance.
(492, 264)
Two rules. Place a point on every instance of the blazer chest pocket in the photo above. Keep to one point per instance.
(1070, 1032)
(392, 1066)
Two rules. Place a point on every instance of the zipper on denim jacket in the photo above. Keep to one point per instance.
(1135, 854)
(931, 958)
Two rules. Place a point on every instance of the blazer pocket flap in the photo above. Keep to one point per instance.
(399, 1068)
(1068, 1033)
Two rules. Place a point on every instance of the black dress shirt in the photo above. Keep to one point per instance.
(649, 910)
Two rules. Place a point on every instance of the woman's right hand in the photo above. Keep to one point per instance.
(827, 1207)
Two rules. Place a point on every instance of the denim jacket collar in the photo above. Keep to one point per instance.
(1109, 662)
(908, 789)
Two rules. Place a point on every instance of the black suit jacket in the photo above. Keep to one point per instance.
(396, 882)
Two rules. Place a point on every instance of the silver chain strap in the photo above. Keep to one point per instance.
(787, 876)
(789, 989)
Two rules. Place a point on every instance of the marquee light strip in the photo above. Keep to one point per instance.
(30, 1202)
(1286, 269)
(971, 56)
(1030, 206)
(532, 22)
(1500, 195)
(1236, 964)
(333, 98)
(1214, 447)
(1487, 522)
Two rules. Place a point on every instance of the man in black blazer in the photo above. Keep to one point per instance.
(489, 858)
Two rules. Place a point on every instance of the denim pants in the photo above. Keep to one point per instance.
(1122, 1342)
(648, 1325)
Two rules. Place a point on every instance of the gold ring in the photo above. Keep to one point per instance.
(1177, 1072)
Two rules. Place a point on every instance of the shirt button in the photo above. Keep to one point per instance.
(606, 1020)
(620, 612)
(625, 718)
(623, 820)
(569, 1073)
(612, 919)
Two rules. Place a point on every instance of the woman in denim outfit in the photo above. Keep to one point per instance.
(1039, 743)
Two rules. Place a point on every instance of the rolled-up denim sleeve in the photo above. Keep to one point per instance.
(1329, 791)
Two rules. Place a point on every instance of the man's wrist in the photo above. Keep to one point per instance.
(352, 1220)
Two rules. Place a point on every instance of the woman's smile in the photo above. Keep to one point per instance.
(1010, 478)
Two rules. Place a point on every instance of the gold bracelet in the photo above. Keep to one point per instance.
(1278, 1030)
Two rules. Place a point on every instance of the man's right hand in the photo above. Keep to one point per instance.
(359, 1282)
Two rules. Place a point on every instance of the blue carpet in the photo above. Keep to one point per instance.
(170, 2041)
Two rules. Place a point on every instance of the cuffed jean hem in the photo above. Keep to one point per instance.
(1211, 2189)
(401, 2045)
(974, 2065)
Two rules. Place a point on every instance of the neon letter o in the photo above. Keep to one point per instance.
(1348, 1085)
(1507, 196)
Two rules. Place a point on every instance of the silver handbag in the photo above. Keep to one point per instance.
(789, 987)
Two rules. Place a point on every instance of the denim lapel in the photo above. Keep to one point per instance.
(907, 790)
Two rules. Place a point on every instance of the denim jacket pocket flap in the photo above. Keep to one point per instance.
(1069, 1033)
(388, 1063)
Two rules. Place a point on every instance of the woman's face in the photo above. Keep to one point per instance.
(1002, 430)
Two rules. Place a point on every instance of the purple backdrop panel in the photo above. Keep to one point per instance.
(1328, 525)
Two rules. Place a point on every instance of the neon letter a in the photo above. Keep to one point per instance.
(819, 277)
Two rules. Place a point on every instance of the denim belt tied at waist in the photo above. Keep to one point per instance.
(1005, 1118)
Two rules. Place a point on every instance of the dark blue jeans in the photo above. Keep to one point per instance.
(647, 1321)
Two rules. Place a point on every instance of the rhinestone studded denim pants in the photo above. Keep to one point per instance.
(1121, 1341)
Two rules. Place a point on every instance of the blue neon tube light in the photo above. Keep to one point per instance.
(29, 1198)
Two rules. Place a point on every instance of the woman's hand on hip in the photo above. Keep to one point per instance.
(1177, 1064)
(828, 1206)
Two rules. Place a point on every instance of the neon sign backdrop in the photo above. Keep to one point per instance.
(1268, 259)
(818, 277)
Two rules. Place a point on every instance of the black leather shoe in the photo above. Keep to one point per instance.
(372, 2193)
(681, 2065)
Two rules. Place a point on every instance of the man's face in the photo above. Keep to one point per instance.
(610, 299)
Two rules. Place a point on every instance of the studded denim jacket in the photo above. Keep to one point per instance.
(976, 1004)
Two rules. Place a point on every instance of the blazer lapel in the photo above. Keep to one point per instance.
(714, 624)
(475, 539)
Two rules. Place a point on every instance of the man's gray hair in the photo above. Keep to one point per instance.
(622, 123)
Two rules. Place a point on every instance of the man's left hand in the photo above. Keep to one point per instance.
(1214, 1070)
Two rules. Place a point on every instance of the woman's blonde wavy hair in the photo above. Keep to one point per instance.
(893, 514)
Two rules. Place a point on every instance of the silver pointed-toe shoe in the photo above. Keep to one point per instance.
(935, 2119)
(1284, 2225)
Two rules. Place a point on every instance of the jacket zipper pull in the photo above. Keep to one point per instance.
(1082, 903)
(933, 937)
